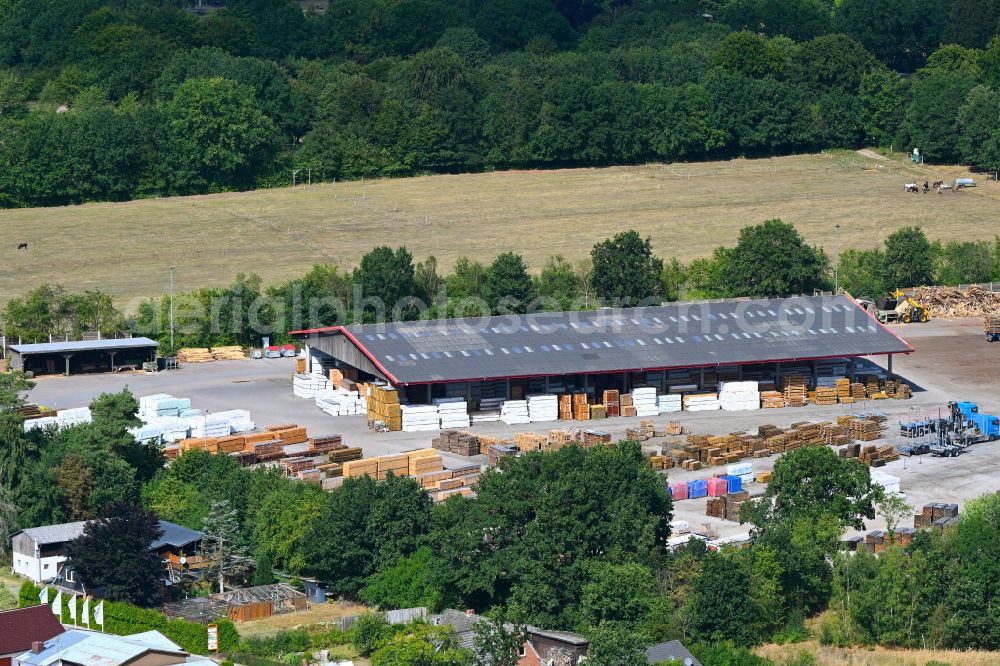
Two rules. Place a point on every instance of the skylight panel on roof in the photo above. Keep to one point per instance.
(425, 356)
(607, 344)
(488, 352)
(465, 353)
(389, 358)
(527, 349)
(505, 350)
(641, 343)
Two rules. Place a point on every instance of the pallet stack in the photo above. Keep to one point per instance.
(936, 514)
(529, 441)
(772, 399)
(581, 408)
(595, 438)
(496, 452)
(611, 402)
(627, 406)
(825, 395)
(793, 388)
(383, 407)
(566, 407)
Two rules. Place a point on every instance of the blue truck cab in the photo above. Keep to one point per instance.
(967, 409)
(987, 424)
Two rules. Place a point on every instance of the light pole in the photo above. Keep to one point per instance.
(171, 309)
(836, 264)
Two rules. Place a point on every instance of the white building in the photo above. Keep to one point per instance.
(38, 551)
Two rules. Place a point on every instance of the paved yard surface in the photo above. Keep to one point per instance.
(952, 361)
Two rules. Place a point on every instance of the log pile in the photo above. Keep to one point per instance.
(950, 302)
(233, 353)
(194, 355)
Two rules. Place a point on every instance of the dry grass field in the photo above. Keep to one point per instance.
(687, 209)
(830, 656)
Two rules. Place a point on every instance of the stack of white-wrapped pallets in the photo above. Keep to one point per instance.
(644, 401)
(744, 470)
(543, 408)
(668, 403)
(454, 412)
(209, 425)
(40, 423)
(515, 412)
(162, 404)
(72, 417)
(308, 385)
(701, 402)
(341, 402)
(418, 418)
(739, 396)
(239, 419)
(161, 429)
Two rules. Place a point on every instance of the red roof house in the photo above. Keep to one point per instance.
(22, 627)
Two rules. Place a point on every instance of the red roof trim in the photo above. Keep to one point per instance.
(877, 322)
(325, 329)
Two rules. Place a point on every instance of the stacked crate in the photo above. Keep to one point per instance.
(581, 408)
(793, 388)
(383, 406)
(611, 401)
(566, 407)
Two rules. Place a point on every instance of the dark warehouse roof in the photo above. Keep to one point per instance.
(620, 340)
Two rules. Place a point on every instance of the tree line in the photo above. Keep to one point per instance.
(108, 101)
(770, 259)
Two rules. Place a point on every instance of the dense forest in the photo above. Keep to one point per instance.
(118, 99)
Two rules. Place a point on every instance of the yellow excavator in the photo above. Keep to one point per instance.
(897, 307)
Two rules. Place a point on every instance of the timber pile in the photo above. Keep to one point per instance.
(498, 451)
(194, 355)
(950, 302)
(794, 389)
(233, 353)
(991, 324)
(771, 399)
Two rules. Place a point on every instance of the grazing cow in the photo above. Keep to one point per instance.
(22, 246)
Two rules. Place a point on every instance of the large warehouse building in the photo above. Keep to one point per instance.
(691, 344)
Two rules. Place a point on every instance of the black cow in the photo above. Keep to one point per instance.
(22, 246)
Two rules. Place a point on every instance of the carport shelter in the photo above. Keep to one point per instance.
(82, 356)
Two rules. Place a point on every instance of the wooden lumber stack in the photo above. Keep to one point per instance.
(772, 399)
(561, 437)
(865, 430)
(566, 407)
(529, 441)
(383, 406)
(596, 437)
(231, 353)
(793, 388)
(292, 435)
(611, 403)
(842, 387)
(231, 444)
(674, 428)
(495, 452)
(209, 444)
(358, 468)
(581, 408)
(825, 395)
(194, 355)
(344, 455)
(327, 443)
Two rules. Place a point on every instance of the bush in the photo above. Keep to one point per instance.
(28, 595)
(124, 619)
(727, 654)
(369, 632)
